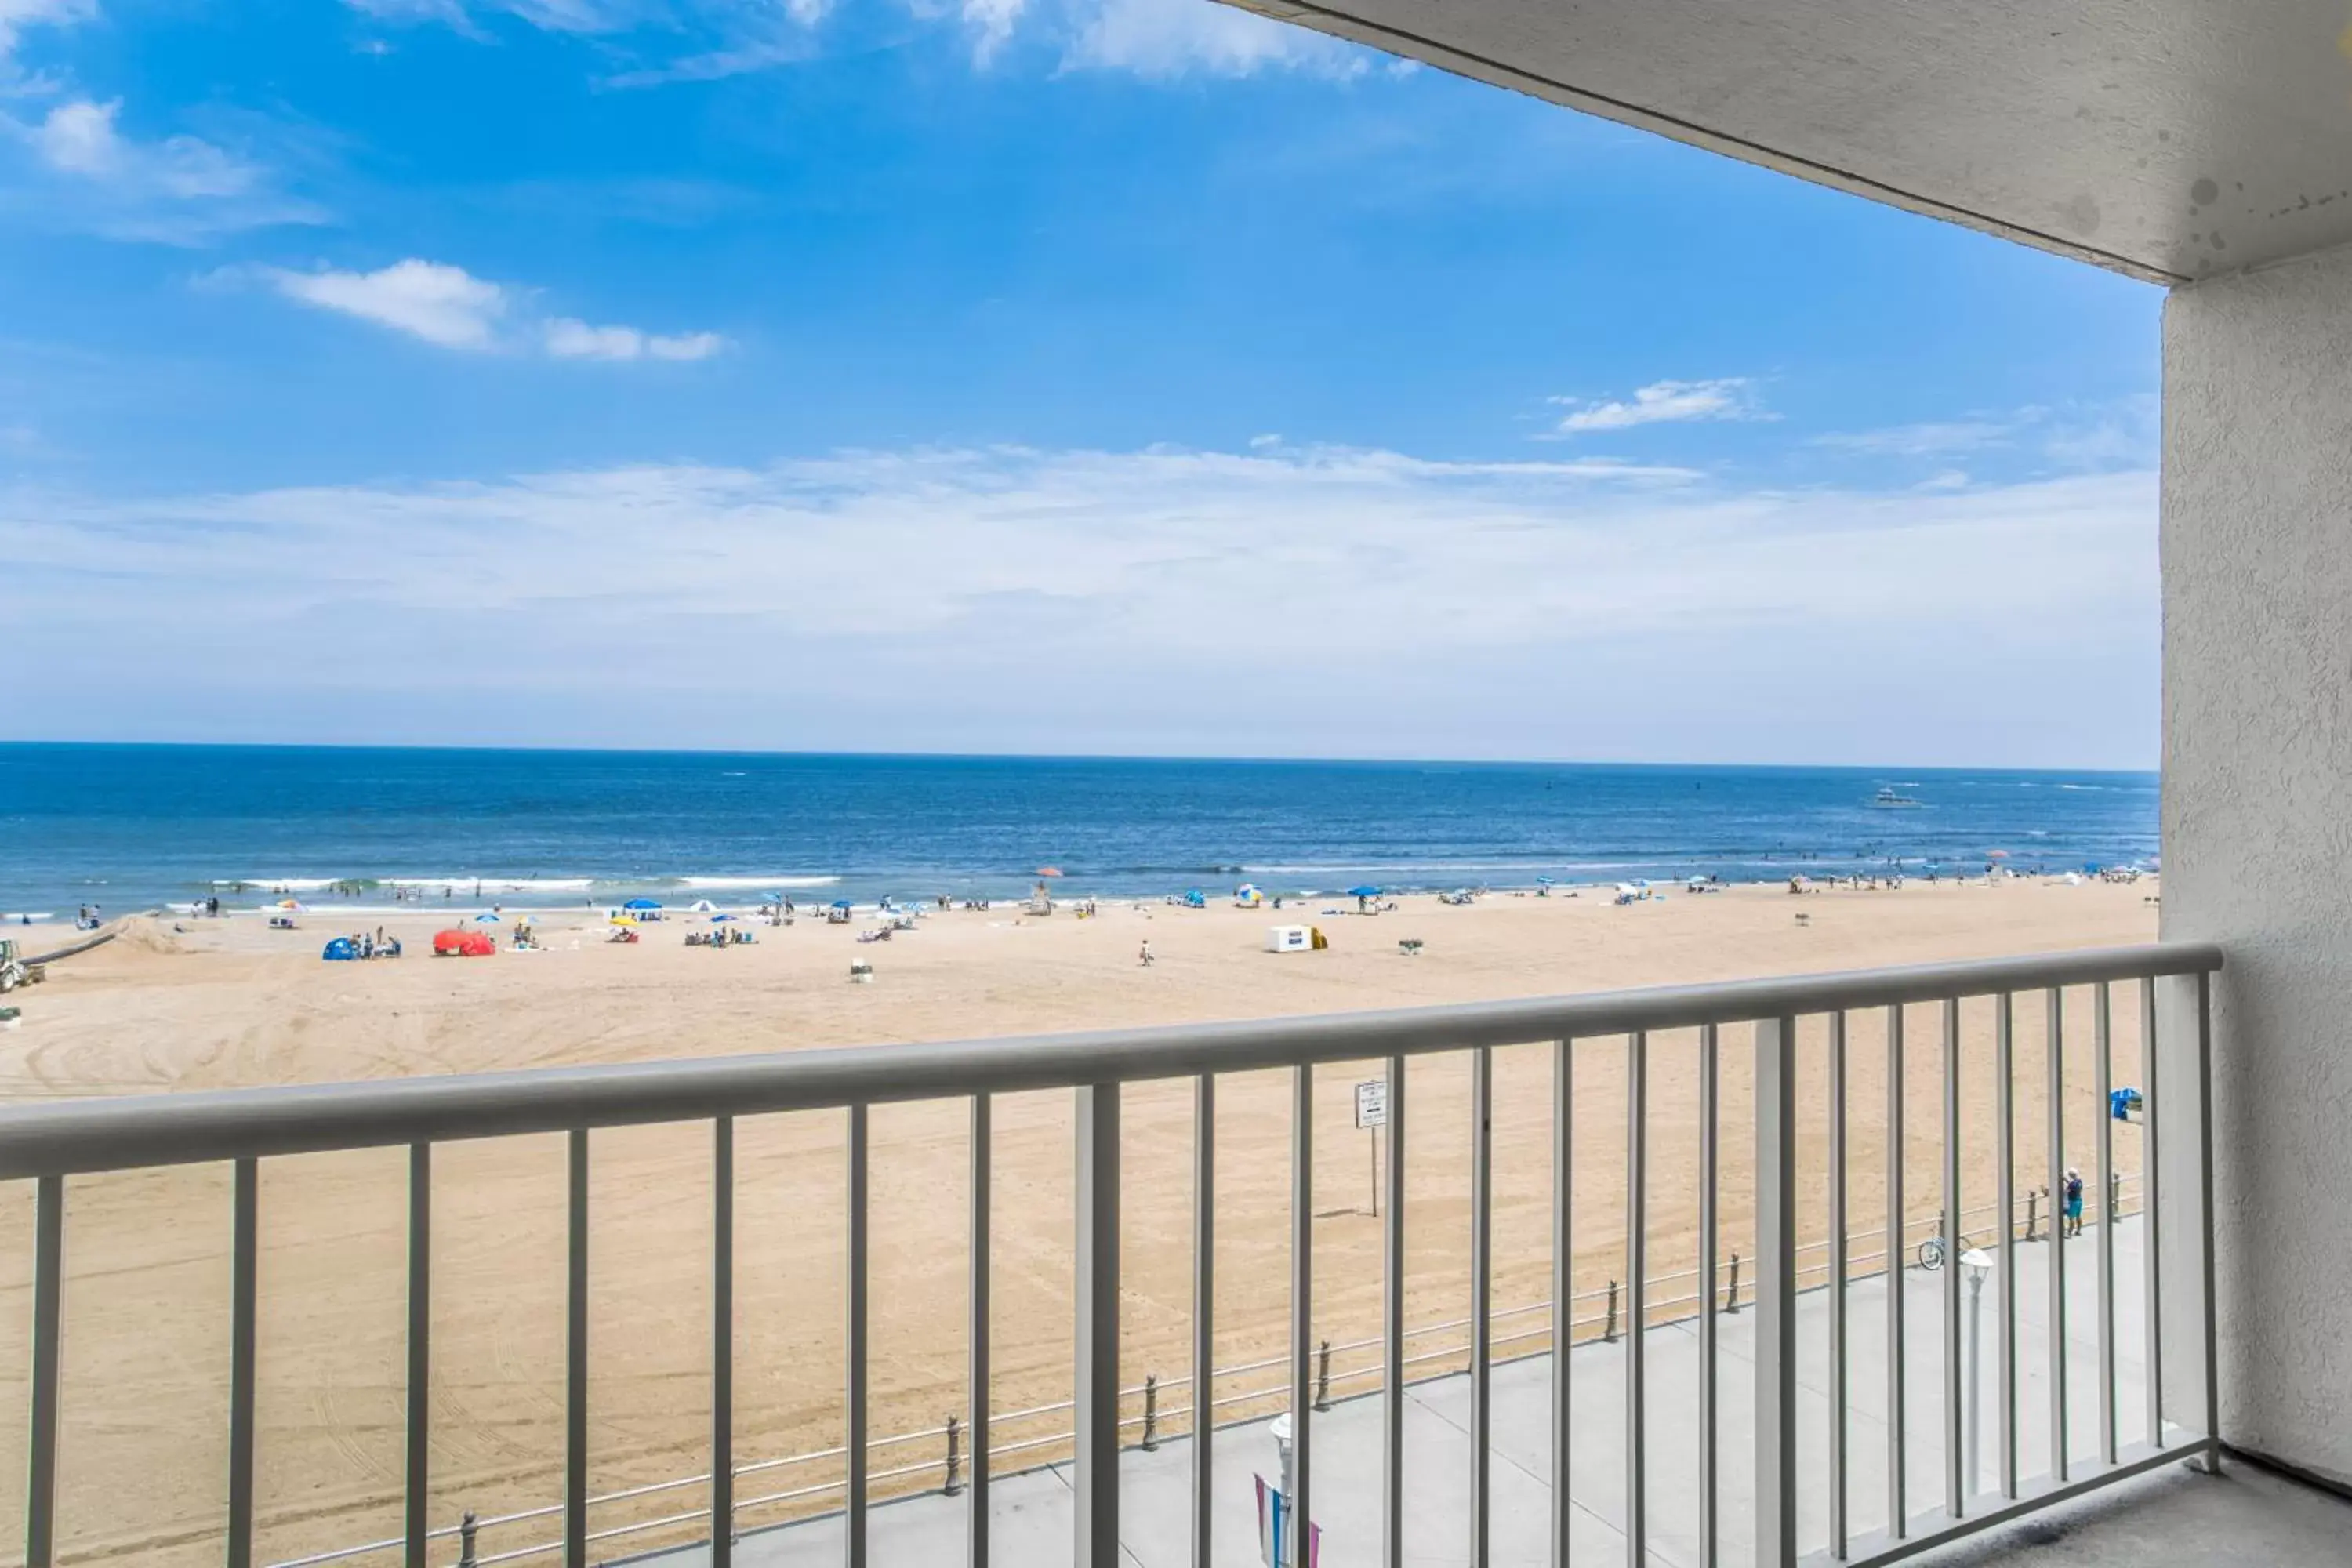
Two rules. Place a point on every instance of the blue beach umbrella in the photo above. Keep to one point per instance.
(1364, 892)
(641, 904)
(487, 917)
(716, 919)
(841, 904)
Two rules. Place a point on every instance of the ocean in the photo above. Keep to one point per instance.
(131, 827)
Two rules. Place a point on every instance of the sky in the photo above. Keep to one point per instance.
(1109, 376)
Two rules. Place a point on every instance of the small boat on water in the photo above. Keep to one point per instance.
(1891, 799)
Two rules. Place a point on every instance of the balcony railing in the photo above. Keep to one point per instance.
(52, 1142)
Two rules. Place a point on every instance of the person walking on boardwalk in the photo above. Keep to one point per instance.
(2073, 1201)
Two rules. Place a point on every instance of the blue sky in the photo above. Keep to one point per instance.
(1128, 376)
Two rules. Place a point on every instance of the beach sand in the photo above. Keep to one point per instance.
(232, 1003)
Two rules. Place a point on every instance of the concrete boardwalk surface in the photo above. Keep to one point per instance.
(1032, 1513)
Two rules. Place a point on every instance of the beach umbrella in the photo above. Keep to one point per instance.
(772, 898)
(625, 920)
(716, 919)
(1996, 853)
(1049, 871)
(641, 904)
(1365, 891)
(701, 906)
(487, 917)
(841, 904)
(293, 904)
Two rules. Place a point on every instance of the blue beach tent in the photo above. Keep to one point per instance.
(341, 951)
(641, 904)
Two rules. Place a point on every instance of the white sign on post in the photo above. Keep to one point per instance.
(1372, 1104)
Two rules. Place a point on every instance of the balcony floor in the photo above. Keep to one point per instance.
(2174, 1518)
(2167, 1517)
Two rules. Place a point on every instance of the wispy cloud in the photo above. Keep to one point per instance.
(80, 169)
(1659, 403)
(2070, 437)
(569, 339)
(1928, 439)
(1277, 599)
(1157, 39)
(1168, 38)
(448, 306)
(16, 15)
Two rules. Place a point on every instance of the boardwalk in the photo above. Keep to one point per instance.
(1032, 1513)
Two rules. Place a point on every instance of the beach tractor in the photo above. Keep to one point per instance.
(14, 970)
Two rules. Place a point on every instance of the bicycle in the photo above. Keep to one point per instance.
(1931, 1254)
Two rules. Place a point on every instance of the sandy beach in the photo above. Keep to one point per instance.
(231, 1003)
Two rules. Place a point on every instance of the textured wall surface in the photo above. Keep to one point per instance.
(2257, 548)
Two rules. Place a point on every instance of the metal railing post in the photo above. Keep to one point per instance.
(41, 1447)
(1204, 1307)
(1563, 1312)
(1302, 1319)
(1608, 1324)
(1096, 1329)
(1731, 1289)
(417, 1469)
(2184, 1215)
(1775, 1293)
(955, 1458)
(978, 1294)
(1152, 1409)
(857, 1184)
(1323, 1375)
(244, 1244)
(575, 1360)
(1709, 1179)
(466, 1556)
(722, 1342)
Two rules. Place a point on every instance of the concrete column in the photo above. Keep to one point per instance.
(2257, 550)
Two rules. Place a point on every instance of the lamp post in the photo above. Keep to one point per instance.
(1979, 1266)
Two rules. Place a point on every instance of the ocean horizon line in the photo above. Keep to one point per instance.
(1184, 758)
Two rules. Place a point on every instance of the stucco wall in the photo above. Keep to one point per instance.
(2257, 548)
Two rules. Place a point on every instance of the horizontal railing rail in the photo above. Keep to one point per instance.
(72, 1137)
(54, 1141)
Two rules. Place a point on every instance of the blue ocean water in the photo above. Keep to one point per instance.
(131, 827)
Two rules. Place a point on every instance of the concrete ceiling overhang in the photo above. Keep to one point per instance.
(2167, 139)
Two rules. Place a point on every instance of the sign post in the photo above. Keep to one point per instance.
(1371, 1115)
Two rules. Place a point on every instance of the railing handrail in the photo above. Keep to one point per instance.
(65, 1137)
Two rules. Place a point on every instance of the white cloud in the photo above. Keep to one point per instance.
(2073, 437)
(1314, 600)
(1181, 37)
(441, 304)
(569, 339)
(15, 15)
(82, 172)
(992, 23)
(1660, 402)
(1929, 440)
(1160, 39)
(449, 306)
(81, 138)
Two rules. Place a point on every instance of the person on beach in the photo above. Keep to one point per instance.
(2073, 1201)
(1143, 955)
